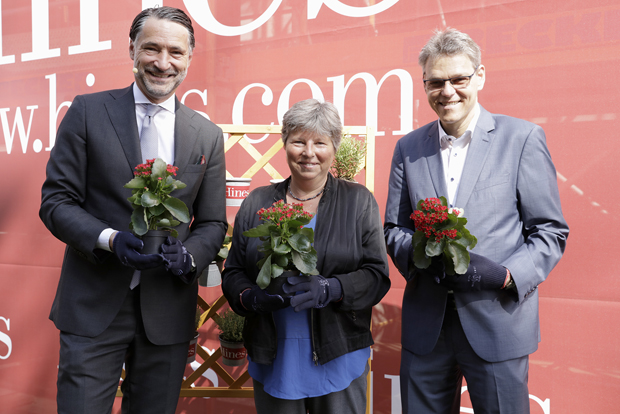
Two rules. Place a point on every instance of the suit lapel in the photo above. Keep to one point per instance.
(435, 164)
(476, 156)
(122, 113)
(185, 136)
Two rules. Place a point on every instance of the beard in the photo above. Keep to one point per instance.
(156, 89)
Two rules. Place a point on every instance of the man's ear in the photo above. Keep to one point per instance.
(131, 50)
(481, 75)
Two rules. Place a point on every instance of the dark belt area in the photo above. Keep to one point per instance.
(450, 302)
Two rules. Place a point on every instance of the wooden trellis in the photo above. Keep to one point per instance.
(236, 133)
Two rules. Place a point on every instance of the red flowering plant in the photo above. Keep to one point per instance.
(154, 207)
(287, 244)
(440, 230)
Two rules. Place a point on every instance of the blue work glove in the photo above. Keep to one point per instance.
(177, 259)
(127, 248)
(314, 291)
(482, 274)
(261, 302)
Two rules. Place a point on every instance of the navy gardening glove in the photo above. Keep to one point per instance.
(436, 270)
(315, 291)
(261, 302)
(127, 248)
(482, 274)
(177, 258)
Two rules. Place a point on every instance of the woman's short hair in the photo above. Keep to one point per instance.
(449, 42)
(165, 13)
(313, 117)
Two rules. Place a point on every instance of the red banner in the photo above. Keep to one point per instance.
(551, 62)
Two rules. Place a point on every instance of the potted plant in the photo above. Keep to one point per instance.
(156, 212)
(230, 325)
(193, 344)
(287, 245)
(349, 158)
(212, 275)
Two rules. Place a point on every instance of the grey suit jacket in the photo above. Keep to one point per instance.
(510, 195)
(97, 148)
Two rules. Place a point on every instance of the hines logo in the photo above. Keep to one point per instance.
(5, 338)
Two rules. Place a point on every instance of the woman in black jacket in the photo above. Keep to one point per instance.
(309, 353)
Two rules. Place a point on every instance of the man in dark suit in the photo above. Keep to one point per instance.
(115, 305)
(481, 325)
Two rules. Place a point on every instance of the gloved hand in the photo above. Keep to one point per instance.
(261, 302)
(127, 248)
(482, 274)
(316, 291)
(177, 258)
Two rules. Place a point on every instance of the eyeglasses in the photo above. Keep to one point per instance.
(458, 82)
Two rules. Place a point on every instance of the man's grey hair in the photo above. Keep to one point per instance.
(165, 13)
(313, 117)
(449, 42)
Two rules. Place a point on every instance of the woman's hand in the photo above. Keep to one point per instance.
(315, 291)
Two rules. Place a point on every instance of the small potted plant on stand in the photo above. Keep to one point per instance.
(349, 158)
(156, 212)
(287, 245)
(212, 275)
(231, 338)
(193, 344)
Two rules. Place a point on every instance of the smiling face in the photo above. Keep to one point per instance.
(455, 107)
(309, 157)
(161, 53)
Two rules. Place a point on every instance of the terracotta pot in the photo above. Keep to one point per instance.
(152, 240)
(191, 352)
(233, 353)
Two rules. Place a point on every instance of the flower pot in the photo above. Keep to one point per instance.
(275, 285)
(152, 240)
(237, 189)
(233, 353)
(211, 276)
(191, 352)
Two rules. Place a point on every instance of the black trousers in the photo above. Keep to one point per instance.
(90, 368)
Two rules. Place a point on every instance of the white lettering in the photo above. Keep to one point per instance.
(89, 29)
(351, 11)
(202, 94)
(4, 59)
(545, 405)
(372, 96)
(201, 12)
(237, 111)
(6, 339)
(40, 33)
(18, 121)
(53, 112)
(284, 101)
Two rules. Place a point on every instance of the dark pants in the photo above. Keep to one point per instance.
(351, 400)
(90, 368)
(432, 383)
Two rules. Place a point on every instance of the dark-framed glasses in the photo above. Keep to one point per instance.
(457, 82)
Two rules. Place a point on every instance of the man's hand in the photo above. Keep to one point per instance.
(127, 248)
(482, 274)
(436, 270)
(261, 302)
(316, 291)
(177, 259)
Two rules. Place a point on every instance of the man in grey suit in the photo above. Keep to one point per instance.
(113, 304)
(481, 325)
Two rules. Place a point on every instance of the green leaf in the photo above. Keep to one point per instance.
(300, 243)
(281, 260)
(448, 224)
(177, 208)
(136, 182)
(264, 276)
(137, 221)
(282, 249)
(420, 259)
(435, 249)
(262, 230)
(159, 168)
(149, 199)
(304, 262)
(308, 232)
(276, 270)
(460, 257)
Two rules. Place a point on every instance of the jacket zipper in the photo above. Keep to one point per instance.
(315, 357)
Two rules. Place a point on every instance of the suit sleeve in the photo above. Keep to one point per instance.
(398, 227)
(65, 188)
(544, 227)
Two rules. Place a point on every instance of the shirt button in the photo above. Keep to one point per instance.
(451, 179)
